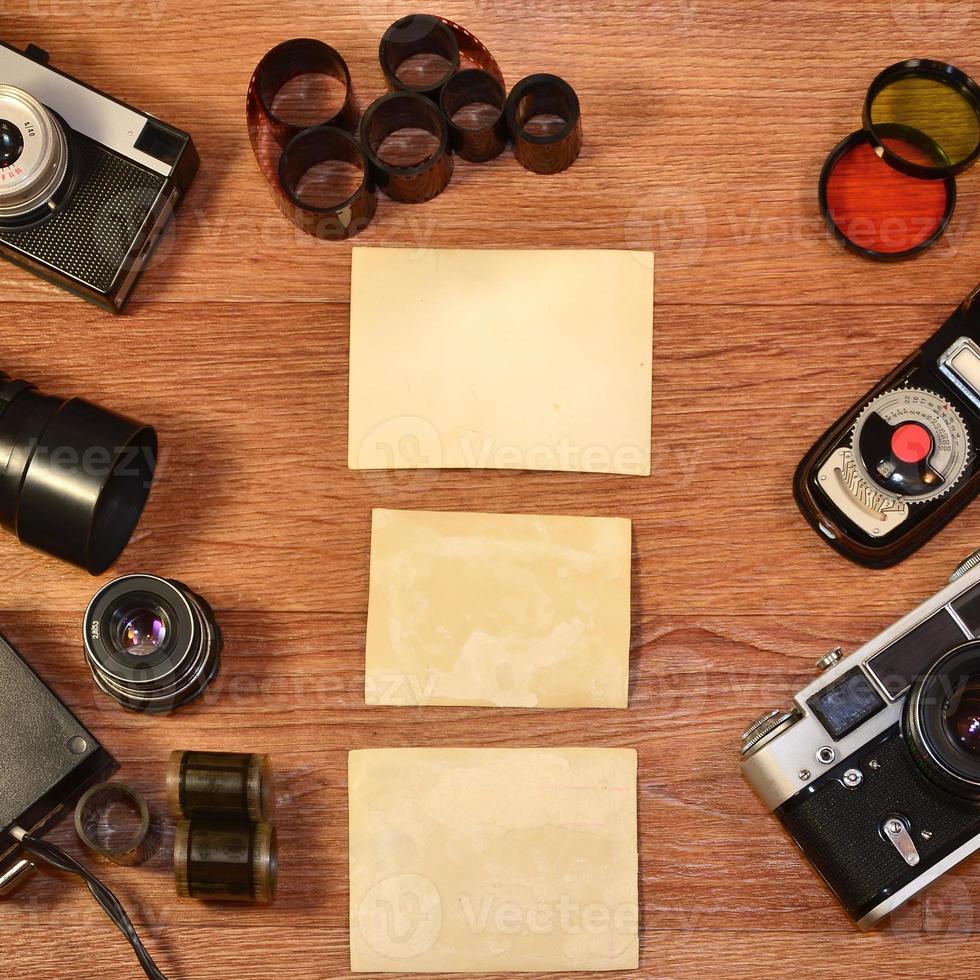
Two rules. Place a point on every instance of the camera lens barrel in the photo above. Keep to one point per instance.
(152, 644)
(941, 722)
(74, 477)
(40, 171)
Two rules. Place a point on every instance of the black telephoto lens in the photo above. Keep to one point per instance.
(74, 477)
(152, 644)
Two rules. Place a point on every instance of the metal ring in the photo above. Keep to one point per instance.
(407, 110)
(91, 811)
(545, 94)
(937, 71)
(837, 154)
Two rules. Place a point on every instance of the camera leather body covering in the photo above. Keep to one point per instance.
(125, 173)
(47, 759)
(901, 462)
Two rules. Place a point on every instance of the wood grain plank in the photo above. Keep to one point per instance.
(706, 127)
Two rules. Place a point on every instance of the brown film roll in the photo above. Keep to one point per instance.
(223, 785)
(285, 152)
(483, 140)
(413, 35)
(420, 181)
(545, 95)
(432, 34)
(473, 53)
(226, 860)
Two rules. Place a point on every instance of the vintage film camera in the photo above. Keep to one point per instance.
(87, 184)
(875, 769)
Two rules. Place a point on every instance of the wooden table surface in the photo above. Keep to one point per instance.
(706, 125)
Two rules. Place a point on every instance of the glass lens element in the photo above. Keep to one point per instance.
(941, 111)
(142, 632)
(11, 143)
(962, 715)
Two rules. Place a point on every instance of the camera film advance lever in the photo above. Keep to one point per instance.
(901, 463)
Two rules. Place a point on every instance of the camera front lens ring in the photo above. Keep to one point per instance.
(151, 643)
(37, 173)
(941, 722)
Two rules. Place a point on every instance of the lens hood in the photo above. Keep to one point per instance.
(74, 477)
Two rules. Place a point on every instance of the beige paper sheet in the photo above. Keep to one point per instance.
(493, 359)
(493, 860)
(506, 610)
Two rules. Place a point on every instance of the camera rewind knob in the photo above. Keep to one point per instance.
(967, 565)
(763, 727)
(829, 659)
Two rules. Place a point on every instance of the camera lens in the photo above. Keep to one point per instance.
(962, 713)
(942, 722)
(37, 141)
(11, 143)
(141, 631)
(152, 644)
(74, 477)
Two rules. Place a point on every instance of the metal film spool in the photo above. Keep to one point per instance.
(37, 168)
(549, 95)
(285, 152)
(91, 824)
(222, 860)
(420, 181)
(487, 140)
(224, 785)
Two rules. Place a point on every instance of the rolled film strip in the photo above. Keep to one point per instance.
(420, 34)
(421, 180)
(479, 138)
(97, 818)
(287, 150)
(551, 96)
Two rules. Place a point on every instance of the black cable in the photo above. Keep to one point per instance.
(57, 858)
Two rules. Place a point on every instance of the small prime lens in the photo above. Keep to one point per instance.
(151, 643)
(942, 722)
(11, 143)
(74, 477)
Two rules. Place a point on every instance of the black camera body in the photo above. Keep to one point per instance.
(47, 760)
(87, 184)
(875, 769)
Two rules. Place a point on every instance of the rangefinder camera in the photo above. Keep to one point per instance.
(875, 769)
(87, 184)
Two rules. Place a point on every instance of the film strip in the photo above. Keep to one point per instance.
(287, 152)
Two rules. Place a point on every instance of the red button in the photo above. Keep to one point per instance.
(911, 442)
